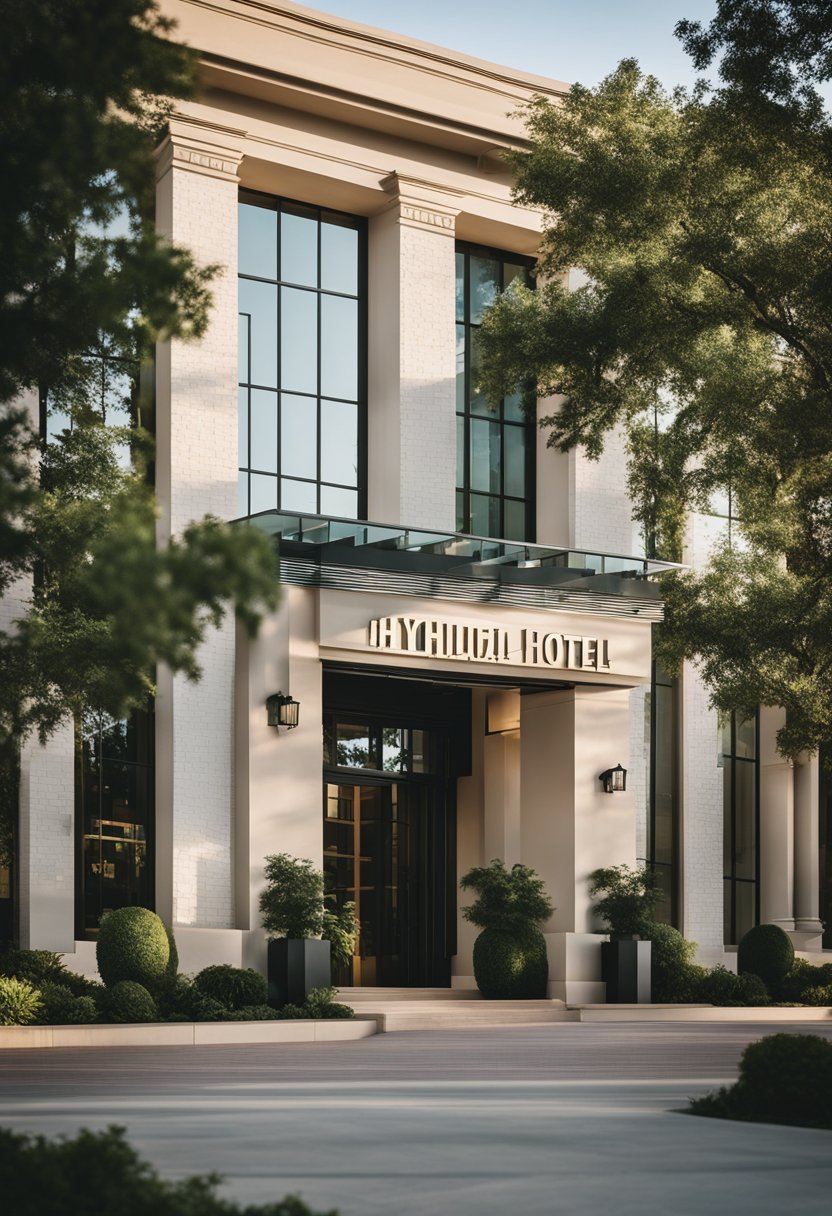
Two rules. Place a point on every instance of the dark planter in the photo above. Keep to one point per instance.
(625, 968)
(296, 965)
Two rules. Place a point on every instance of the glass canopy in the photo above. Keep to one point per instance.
(383, 546)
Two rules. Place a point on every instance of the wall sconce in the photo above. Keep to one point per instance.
(282, 710)
(614, 779)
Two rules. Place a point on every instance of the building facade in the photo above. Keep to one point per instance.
(466, 614)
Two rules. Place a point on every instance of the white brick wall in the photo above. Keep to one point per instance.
(46, 843)
(197, 475)
(602, 519)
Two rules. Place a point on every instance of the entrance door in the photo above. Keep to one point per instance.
(384, 849)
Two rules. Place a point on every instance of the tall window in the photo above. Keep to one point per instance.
(494, 444)
(114, 813)
(302, 376)
(740, 803)
(661, 838)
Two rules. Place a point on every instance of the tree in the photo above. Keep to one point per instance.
(86, 289)
(704, 328)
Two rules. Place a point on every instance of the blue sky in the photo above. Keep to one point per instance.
(565, 39)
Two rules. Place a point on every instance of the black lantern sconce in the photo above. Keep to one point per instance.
(282, 710)
(614, 779)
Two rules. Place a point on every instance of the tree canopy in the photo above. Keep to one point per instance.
(87, 287)
(703, 326)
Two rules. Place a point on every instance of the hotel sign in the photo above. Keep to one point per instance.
(431, 637)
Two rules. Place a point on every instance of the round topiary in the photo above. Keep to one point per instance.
(768, 952)
(128, 1001)
(511, 965)
(233, 987)
(173, 956)
(751, 990)
(19, 1002)
(786, 1078)
(132, 945)
(720, 987)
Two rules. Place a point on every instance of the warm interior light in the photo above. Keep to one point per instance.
(282, 710)
(614, 779)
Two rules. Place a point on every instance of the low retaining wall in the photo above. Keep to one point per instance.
(699, 1013)
(188, 1034)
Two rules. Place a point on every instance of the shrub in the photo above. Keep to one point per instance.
(59, 1007)
(511, 966)
(628, 900)
(19, 1002)
(784, 1078)
(35, 966)
(339, 929)
(252, 1013)
(128, 1001)
(98, 1172)
(132, 945)
(321, 1003)
(721, 987)
(818, 996)
(768, 952)
(173, 953)
(510, 954)
(233, 987)
(292, 905)
(802, 977)
(673, 978)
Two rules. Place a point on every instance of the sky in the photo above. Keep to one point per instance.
(568, 40)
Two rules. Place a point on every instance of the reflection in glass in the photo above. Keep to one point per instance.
(515, 527)
(339, 256)
(299, 247)
(299, 436)
(339, 347)
(460, 286)
(744, 832)
(259, 300)
(514, 476)
(263, 430)
(393, 756)
(257, 241)
(485, 455)
(353, 748)
(485, 515)
(263, 493)
(242, 427)
(335, 500)
(339, 442)
(460, 367)
(484, 285)
(747, 737)
(299, 340)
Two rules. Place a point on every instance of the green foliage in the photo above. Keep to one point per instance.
(511, 964)
(37, 967)
(87, 287)
(99, 1174)
(722, 987)
(673, 976)
(701, 326)
(628, 900)
(507, 900)
(19, 1002)
(339, 929)
(321, 1003)
(132, 945)
(60, 1008)
(292, 903)
(802, 977)
(768, 952)
(173, 953)
(127, 1001)
(784, 1078)
(233, 987)
(821, 995)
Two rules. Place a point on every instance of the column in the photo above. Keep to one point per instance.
(568, 825)
(196, 411)
(702, 830)
(501, 778)
(412, 369)
(808, 926)
(776, 825)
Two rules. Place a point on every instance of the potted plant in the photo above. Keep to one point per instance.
(627, 904)
(292, 912)
(510, 960)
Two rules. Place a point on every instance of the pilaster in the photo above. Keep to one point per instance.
(776, 825)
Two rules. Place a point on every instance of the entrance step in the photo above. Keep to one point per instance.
(449, 1009)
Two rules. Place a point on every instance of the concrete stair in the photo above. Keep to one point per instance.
(448, 1009)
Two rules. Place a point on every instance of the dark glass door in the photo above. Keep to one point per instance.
(385, 848)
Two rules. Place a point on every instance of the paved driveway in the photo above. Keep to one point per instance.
(548, 1119)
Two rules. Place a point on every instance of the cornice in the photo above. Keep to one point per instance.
(203, 147)
(423, 204)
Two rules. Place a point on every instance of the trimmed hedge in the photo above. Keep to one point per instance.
(132, 945)
(721, 987)
(768, 952)
(674, 977)
(784, 1078)
(19, 1002)
(233, 987)
(802, 979)
(128, 1001)
(60, 1008)
(511, 965)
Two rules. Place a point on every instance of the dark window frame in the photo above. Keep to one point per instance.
(659, 678)
(732, 880)
(359, 224)
(464, 519)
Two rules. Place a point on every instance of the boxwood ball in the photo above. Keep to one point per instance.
(132, 945)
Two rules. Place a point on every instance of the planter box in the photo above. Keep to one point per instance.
(295, 967)
(626, 970)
